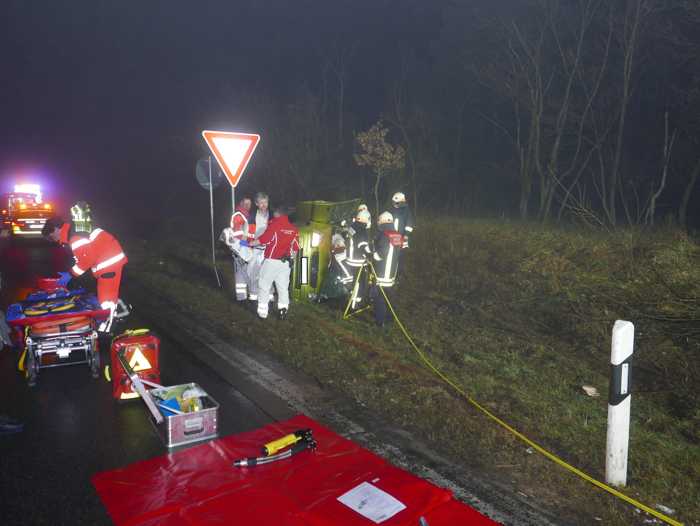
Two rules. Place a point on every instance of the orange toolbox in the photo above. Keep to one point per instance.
(141, 351)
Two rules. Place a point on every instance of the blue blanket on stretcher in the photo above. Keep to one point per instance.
(55, 302)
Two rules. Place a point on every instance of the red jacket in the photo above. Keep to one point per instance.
(99, 252)
(281, 238)
(240, 225)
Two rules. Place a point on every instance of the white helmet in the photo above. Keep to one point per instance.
(398, 197)
(385, 218)
(363, 216)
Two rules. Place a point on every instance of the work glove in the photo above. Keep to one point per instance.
(64, 278)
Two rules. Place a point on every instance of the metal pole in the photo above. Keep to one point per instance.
(233, 199)
(619, 401)
(211, 208)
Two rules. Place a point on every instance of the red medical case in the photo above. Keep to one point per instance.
(141, 351)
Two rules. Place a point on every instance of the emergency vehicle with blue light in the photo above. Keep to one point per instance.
(23, 212)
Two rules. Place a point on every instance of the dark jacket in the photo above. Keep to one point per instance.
(403, 220)
(387, 246)
(357, 244)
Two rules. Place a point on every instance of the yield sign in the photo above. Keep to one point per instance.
(232, 151)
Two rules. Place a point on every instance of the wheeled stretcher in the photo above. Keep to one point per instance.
(56, 328)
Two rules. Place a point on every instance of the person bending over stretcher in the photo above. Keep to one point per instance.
(99, 252)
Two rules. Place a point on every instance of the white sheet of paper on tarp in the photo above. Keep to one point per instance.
(371, 502)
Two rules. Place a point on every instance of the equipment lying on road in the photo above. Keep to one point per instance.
(287, 440)
(181, 414)
(340, 484)
(300, 440)
(56, 327)
(300, 446)
(141, 350)
(191, 416)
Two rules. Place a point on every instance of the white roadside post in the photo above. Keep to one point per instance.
(619, 400)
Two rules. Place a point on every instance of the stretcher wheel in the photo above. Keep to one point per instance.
(31, 368)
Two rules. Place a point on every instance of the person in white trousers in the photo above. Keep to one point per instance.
(281, 240)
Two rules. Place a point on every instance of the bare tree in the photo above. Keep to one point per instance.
(667, 149)
(636, 11)
(398, 118)
(337, 60)
(379, 155)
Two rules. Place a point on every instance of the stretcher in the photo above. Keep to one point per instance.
(56, 327)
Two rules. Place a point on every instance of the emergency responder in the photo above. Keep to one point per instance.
(334, 283)
(360, 208)
(339, 265)
(281, 240)
(101, 253)
(403, 218)
(237, 237)
(357, 250)
(260, 218)
(385, 261)
(81, 216)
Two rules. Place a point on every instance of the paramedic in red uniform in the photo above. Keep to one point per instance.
(281, 240)
(237, 237)
(99, 252)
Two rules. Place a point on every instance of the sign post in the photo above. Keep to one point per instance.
(619, 401)
(232, 150)
(211, 212)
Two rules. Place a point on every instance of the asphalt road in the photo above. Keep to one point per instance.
(73, 427)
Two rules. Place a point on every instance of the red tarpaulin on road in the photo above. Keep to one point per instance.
(199, 486)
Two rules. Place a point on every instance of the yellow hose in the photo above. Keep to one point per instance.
(551, 456)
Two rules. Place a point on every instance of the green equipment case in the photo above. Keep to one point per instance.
(316, 221)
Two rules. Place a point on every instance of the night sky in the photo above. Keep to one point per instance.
(105, 100)
(95, 91)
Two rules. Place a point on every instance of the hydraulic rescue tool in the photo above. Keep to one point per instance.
(287, 440)
(296, 448)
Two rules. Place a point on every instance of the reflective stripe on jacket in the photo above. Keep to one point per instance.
(240, 225)
(403, 220)
(386, 257)
(357, 246)
(99, 252)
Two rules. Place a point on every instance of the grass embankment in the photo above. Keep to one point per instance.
(521, 317)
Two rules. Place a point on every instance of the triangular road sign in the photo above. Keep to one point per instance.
(139, 362)
(232, 151)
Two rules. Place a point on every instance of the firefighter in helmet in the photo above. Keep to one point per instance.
(403, 218)
(360, 208)
(385, 261)
(356, 251)
(99, 252)
(81, 216)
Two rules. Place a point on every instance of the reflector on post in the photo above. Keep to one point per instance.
(232, 151)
